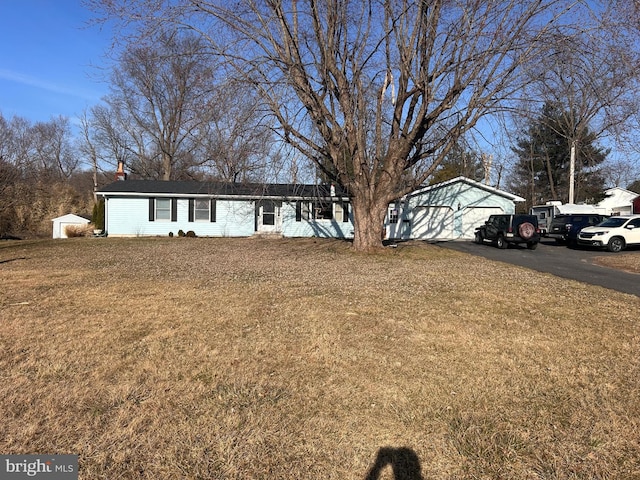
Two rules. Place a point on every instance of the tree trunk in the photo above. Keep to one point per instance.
(368, 220)
(552, 184)
(166, 167)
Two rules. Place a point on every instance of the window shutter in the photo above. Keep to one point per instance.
(174, 209)
(191, 207)
(213, 209)
(152, 209)
(345, 211)
(299, 211)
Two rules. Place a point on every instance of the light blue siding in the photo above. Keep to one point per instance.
(462, 204)
(313, 228)
(129, 216)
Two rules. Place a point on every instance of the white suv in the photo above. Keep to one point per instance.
(615, 233)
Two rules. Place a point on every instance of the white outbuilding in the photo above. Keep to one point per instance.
(60, 224)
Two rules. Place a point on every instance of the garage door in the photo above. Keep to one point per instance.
(474, 217)
(431, 223)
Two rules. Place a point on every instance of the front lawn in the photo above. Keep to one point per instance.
(300, 359)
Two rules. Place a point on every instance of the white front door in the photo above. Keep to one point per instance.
(269, 218)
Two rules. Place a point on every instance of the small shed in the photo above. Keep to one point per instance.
(60, 224)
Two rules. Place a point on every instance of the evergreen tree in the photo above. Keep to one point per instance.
(542, 170)
(634, 187)
(459, 162)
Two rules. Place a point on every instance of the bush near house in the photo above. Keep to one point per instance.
(77, 230)
(97, 217)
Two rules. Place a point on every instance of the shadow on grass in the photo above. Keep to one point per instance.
(12, 259)
(403, 461)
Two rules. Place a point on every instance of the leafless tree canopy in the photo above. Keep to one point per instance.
(173, 114)
(38, 165)
(375, 92)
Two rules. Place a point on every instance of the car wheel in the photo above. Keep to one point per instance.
(615, 245)
(478, 237)
(501, 242)
(532, 245)
(526, 230)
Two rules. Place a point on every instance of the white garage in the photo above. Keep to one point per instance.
(60, 224)
(432, 222)
(473, 217)
(449, 210)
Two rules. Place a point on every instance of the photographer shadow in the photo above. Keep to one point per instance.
(403, 461)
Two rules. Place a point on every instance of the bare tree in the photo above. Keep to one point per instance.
(160, 93)
(173, 114)
(38, 163)
(236, 141)
(53, 150)
(375, 92)
(105, 141)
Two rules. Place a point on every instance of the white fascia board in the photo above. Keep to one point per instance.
(217, 196)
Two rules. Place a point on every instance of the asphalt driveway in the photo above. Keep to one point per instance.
(574, 264)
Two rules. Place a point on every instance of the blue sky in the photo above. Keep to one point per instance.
(50, 59)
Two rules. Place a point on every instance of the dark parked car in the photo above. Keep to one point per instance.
(565, 228)
(502, 230)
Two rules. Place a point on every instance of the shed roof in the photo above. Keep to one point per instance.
(218, 189)
(71, 217)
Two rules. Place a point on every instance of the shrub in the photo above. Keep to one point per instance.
(180, 233)
(77, 230)
(191, 234)
(97, 218)
(171, 234)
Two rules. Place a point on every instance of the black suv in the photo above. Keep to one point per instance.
(505, 229)
(565, 228)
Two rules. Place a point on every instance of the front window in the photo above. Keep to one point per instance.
(393, 215)
(201, 210)
(323, 210)
(302, 210)
(340, 213)
(163, 209)
(268, 212)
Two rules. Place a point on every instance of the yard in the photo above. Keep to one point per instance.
(300, 359)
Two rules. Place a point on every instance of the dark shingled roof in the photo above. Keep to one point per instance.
(253, 190)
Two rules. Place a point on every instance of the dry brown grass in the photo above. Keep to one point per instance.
(629, 262)
(300, 359)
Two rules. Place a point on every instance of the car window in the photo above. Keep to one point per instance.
(635, 222)
(613, 222)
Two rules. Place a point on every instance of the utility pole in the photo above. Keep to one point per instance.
(487, 160)
(572, 171)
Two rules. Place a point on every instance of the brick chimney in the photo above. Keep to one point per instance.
(120, 173)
